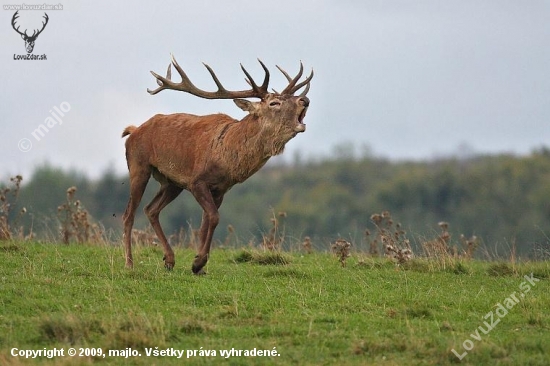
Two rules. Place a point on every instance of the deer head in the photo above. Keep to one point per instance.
(29, 40)
(282, 113)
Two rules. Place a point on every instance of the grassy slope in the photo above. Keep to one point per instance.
(312, 310)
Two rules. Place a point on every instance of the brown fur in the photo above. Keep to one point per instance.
(205, 155)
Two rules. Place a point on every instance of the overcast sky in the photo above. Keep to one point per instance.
(408, 79)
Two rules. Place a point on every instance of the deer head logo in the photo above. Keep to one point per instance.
(29, 40)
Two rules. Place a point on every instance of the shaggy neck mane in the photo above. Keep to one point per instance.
(246, 145)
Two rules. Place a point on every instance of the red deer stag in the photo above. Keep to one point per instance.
(207, 155)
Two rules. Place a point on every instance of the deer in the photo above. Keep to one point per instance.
(207, 155)
(29, 40)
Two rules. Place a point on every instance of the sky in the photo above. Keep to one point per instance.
(397, 79)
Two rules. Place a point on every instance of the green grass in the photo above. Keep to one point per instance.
(313, 310)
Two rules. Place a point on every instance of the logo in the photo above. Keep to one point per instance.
(29, 40)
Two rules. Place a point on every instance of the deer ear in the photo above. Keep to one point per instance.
(245, 105)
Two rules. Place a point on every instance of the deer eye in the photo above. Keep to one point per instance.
(274, 103)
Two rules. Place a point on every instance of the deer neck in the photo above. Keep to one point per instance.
(264, 139)
(248, 144)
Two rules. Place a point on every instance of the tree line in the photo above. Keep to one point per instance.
(502, 199)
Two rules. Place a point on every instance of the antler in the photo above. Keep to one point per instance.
(34, 34)
(15, 16)
(43, 26)
(187, 86)
(292, 87)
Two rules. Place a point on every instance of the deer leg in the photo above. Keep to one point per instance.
(167, 193)
(210, 202)
(138, 182)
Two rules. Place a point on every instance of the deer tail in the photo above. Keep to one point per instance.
(128, 130)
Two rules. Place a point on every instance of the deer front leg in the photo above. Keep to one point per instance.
(210, 202)
(204, 250)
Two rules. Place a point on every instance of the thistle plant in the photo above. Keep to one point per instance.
(75, 221)
(307, 245)
(341, 248)
(391, 236)
(8, 198)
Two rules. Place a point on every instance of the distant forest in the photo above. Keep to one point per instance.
(504, 200)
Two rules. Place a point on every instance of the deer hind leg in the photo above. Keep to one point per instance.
(210, 202)
(167, 193)
(138, 182)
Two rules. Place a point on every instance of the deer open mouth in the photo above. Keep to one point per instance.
(301, 126)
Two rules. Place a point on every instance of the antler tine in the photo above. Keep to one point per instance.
(306, 83)
(13, 19)
(259, 89)
(160, 82)
(284, 73)
(185, 81)
(43, 25)
(292, 86)
(215, 78)
(249, 80)
(265, 83)
(306, 90)
(46, 22)
(187, 86)
(167, 83)
(292, 82)
(168, 74)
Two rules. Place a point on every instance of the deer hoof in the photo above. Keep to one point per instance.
(169, 265)
(198, 264)
(198, 271)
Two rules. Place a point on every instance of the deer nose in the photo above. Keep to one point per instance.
(304, 101)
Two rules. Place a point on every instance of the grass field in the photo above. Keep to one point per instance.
(310, 311)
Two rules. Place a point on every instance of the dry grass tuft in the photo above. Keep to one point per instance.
(137, 331)
(273, 241)
(193, 326)
(70, 329)
(146, 237)
(230, 236)
(445, 251)
(500, 270)
(265, 257)
(181, 238)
